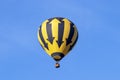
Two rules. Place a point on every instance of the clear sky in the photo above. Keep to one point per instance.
(96, 55)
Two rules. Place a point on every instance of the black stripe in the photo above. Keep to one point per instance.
(69, 40)
(73, 43)
(42, 39)
(60, 33)
(49, 32)
(59, 18)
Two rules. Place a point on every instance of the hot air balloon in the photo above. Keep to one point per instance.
(57, 37)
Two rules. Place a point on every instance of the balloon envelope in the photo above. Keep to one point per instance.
(57, 36)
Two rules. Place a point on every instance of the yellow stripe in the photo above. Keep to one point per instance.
(66, 29)
(54, 24)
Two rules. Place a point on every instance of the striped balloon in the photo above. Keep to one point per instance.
(57, 37)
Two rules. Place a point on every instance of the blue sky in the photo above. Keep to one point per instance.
(96, 55)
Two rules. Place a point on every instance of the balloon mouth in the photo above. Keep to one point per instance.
(57, 56)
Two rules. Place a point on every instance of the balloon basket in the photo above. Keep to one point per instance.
(57, 65)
